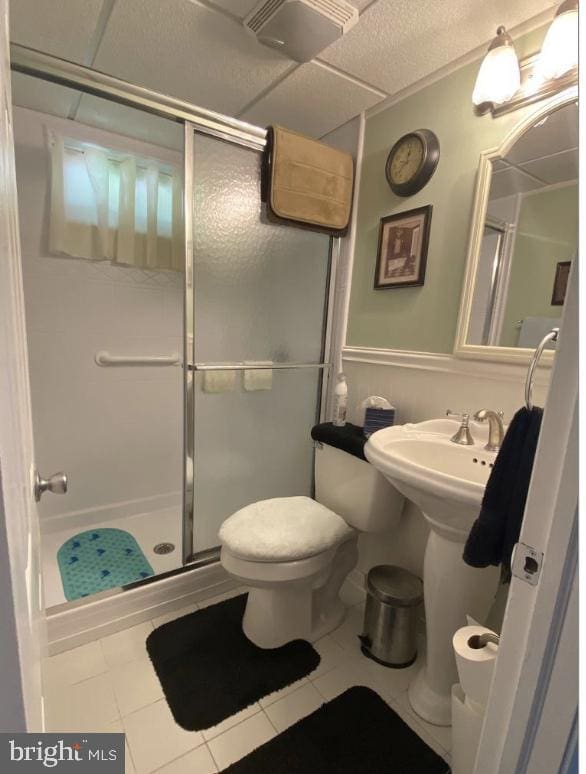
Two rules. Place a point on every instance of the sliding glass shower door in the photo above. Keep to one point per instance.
(258, 298)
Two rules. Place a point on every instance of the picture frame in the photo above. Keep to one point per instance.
(560, 283)
(403, 241)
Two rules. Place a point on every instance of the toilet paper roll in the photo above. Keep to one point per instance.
(475, 665)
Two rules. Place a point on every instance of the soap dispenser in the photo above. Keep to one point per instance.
(340, 401)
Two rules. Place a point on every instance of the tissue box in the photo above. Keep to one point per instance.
(377, 418)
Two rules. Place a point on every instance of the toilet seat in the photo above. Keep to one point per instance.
(258, 572)
(283, 530)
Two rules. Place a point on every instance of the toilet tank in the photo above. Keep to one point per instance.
(354, 489)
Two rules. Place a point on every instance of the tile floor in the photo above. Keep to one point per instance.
(110, 685)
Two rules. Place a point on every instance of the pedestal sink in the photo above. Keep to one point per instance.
(446, 482)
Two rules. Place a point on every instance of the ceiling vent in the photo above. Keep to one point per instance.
(301, 28)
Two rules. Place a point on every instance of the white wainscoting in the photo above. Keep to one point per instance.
(422, 386)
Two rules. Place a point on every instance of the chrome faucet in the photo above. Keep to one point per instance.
(496, 428)
(462, 436)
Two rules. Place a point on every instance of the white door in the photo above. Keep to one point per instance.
(530, 722)
(21, 610)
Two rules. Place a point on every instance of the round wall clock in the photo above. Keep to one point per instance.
(412, 162)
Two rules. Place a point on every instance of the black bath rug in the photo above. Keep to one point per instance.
(356, 733)
(209, 670)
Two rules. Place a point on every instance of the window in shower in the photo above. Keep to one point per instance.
(115, 431)
(109, 204)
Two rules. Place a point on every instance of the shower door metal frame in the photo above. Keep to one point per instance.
(190, 360)
(30, 61)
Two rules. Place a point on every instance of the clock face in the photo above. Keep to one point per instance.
(406, 160)
(412, 161)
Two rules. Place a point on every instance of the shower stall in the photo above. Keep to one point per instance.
(170, 393)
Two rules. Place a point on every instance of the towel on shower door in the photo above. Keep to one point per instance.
(219, 381)
(258, 378)
(497, 528)
(306, 183)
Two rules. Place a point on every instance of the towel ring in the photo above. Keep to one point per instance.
(551, 336)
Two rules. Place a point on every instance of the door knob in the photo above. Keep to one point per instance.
(57, 483)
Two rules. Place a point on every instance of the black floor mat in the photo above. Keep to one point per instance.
(356, 733)
(209, 670)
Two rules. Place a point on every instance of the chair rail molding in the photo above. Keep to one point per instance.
(514, 371)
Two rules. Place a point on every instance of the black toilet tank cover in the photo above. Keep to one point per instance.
(349, 438)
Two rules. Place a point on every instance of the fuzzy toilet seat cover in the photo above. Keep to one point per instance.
(283, 529)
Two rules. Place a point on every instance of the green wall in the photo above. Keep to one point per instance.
(547, 232)
(424, 318)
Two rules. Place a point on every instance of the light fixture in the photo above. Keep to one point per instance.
(499, 76)
(559, 52)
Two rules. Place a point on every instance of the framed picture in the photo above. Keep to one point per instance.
(560, 283)
(402, 249)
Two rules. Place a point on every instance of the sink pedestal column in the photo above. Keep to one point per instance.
(452, 590)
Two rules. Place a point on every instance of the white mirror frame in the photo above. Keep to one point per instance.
(479, 351)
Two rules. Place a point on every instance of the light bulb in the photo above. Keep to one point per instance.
(499, 76)
(559, 52)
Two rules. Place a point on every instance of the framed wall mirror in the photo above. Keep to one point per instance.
(524, 236)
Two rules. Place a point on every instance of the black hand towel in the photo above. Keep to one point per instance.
(497, 528)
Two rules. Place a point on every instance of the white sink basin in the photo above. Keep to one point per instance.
(446, 482)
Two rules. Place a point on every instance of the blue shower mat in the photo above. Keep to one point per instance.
(100, 559)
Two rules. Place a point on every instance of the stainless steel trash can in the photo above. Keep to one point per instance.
(389, 618)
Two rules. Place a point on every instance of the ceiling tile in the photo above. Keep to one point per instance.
(40, 95)
(60, 27)
(398, 42)
(188, 51)
(558, 132)
(239, 8)
(313, 100)
(360, 4)
(130, 122)
(511, 181)
(556, 168)
(243, 7)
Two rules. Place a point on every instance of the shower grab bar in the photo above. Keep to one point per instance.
(104, 358)
(253, 366)
(551, 336)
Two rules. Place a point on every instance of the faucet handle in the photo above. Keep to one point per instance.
(463, 435)
(463, 415)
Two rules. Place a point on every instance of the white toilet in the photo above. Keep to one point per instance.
(294, 552)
